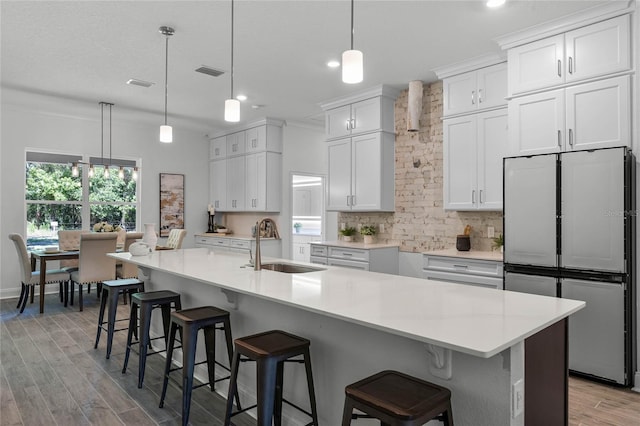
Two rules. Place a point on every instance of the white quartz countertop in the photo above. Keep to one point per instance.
(471, 254)
(355, 244)
(473, 320)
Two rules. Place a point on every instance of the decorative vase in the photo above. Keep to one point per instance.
(346, 238)
(368, 239)
(150, 236)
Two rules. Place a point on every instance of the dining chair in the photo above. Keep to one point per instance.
(175, 238)
(126, 269)
(69, 240)
(94, 266)
(32, 278)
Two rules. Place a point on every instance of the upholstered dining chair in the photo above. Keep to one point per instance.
(31, 279)
(69, 240)
(93, 264)
(175, 238)
(126, 269)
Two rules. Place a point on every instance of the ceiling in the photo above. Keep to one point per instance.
(85, 51)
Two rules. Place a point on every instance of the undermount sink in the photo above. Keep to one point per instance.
(289, 268)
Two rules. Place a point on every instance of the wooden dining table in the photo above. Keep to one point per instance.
(44, 257)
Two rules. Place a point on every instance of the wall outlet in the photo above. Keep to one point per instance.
(381, 228)
(517, 398)
(342, 225)
(491, 232)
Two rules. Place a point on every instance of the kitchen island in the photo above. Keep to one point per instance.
(363, 322)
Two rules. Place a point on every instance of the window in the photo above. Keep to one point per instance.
(56, 199)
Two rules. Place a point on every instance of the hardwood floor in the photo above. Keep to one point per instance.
(50, 374)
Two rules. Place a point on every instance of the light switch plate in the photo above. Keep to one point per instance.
(517, 398)
(491, 232)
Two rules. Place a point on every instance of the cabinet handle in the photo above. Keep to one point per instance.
(479, 96)
(216, 151)
(570, 65)
(347, 254)
(348, 124)
(461, 266)
(571, 137)
(473, 97)
(559, 139)
(473, 196)
(480, 197)
(353, 123)
(254, 143)
(559, 68)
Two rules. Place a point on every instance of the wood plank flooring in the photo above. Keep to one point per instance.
(51, 375)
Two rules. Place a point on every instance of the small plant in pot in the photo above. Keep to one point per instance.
(368, 232)
(498, 242)
(297, 226)
(348, 233)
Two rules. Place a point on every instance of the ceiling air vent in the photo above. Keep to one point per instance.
(142, 83)
(210, 71)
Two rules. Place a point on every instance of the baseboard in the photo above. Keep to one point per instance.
(636, 381)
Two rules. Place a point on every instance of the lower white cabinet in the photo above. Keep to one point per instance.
(269, 247)
(301, 247)
(478, 272)
(356, 256)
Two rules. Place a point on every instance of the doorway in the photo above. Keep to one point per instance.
(307, 213)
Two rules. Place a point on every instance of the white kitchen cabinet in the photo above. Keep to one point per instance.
(236, 144)
(218, 148)
(356, 256)
(587, 52)
(301, 247)
(266, 137)
(475, 90)
(262, 181)
(461, 270)
(369, 115)
(236, 183)
(584, 116)
(474, 146)
(218, 184)
(361, 173)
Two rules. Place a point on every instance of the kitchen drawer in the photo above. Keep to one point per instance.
(319, 260)
(212, 241)
(463, 266)
(477, 280)
(317, 250)
(240, 244)
(349, 254)
(362, 266)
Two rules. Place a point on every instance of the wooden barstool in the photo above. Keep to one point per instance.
(270, 350)
(397, 399)
(147, 301)
(189, 321)
(110, 291)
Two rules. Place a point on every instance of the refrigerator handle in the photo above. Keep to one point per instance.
(571, 137)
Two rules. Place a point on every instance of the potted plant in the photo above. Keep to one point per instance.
(368, 232)
(348, 233)
(498, 242)
(297, 227)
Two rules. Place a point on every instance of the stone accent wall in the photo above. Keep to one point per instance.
(420, 223)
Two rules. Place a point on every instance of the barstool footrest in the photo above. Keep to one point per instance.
(235, 413)
(298, 408)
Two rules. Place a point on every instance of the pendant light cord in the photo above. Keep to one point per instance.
(231, 97)
(352, 25)
(166, 76)
(110, 157)
(102, 133)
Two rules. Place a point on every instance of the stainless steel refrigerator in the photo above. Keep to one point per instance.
(569, 231)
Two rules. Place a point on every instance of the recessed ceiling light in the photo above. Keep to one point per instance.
(241, 97)
(333, 64)
(257, 106)
(136, 82)
(495, 3)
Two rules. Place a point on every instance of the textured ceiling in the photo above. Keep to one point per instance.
(87, 50)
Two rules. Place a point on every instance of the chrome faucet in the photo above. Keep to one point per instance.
(257, 263)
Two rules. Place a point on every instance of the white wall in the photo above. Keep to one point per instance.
(304, 150)
(58, 125)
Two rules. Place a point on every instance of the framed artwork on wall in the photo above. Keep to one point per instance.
(171, 202)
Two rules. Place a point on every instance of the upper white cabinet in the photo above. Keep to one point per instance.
(587, 52)
(343, 119)
(246, 175)
(584, 116)
(361, 173)
(474, 146)
(218, 148)
(475, 90)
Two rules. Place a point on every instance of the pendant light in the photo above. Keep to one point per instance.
(231, 105)
(166, 132)
(352, 67)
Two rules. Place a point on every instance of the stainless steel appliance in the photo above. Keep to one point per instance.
(569, 231)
